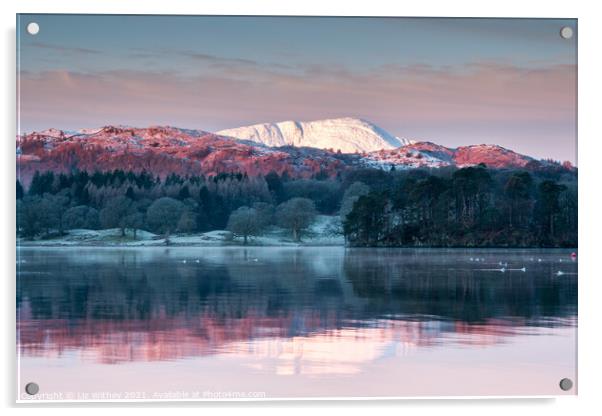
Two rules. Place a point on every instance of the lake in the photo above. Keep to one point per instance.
(233, 322)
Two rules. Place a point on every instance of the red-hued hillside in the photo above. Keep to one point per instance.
(427, 154)
(491, 155)
(165, 150)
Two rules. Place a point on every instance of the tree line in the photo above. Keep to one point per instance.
(469, 207)
(473, 206)
(54, 203)
(380, 287)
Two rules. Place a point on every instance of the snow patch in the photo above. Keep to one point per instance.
(349, 135)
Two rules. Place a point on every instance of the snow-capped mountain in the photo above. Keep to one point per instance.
(164, 149)
(349, 135)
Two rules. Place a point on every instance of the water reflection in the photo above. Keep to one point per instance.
(284, 311)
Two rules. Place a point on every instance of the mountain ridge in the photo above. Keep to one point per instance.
(166, 149)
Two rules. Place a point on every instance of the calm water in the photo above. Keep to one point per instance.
(123, 323)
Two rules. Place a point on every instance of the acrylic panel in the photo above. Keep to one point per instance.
(237, 207)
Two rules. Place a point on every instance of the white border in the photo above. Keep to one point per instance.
(590, 152)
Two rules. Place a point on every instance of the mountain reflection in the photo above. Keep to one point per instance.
(289, 311)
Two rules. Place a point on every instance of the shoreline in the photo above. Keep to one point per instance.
(112, 238)
(179, 245)
(282, 245)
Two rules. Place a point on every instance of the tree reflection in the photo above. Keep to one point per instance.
(136, 304)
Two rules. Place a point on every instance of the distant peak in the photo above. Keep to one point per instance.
(347, 134)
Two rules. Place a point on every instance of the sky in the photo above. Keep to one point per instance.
(455, 82)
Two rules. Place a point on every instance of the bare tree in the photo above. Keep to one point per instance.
(163, 215)
(115, 212)
(134, 221)
(296, 215)
(244, 222)
(187, 222)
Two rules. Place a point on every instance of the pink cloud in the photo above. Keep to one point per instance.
(392, 96)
